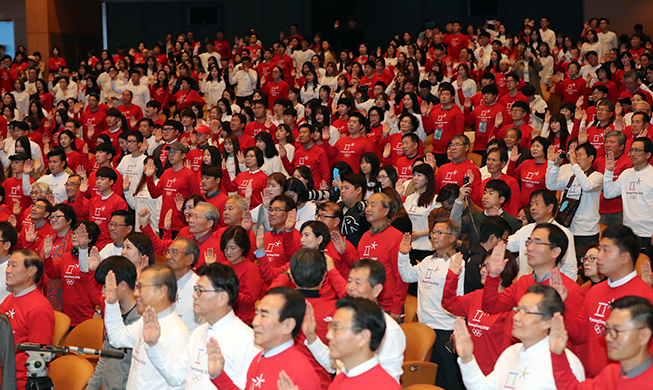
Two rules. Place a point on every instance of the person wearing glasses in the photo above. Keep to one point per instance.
(430, 275)
(603, 123)
(591, 268)
(132, 164)
(121, 224)
(618, 252)
(635, 186)
(448, 120)
(545, 250)
(527, 364)
(455, 171)
(113, 373)
(170, 133)
(32, 234)
(215, 294)
(627, 334)
(156, 290)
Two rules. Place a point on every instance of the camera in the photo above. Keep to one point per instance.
(563, 155)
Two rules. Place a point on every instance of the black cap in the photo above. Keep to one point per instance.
(20, 156)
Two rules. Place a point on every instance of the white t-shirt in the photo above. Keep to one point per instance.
(132, 167)
(636, 191)
(419, 216)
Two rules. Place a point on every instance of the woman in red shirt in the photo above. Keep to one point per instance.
(55, 61)
(73, 157)
(531, 173)
(159, 89)
(44, 95)
(254, 178)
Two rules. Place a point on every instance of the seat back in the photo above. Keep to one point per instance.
(410, 308)
(70, 372)
(419, 341)
(61, 326)
(418, 373)
(422, 386)
(88, 334)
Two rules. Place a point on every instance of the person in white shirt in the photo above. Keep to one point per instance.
(366, 279)
(430, 276)
(543, 207)
(56, 179)
(132, 165)
(590, 68)
(607, 38)
(156, 288)
(635, 186)
(547, 35)
(22, 98)
(63, 90)
(210, 52)
(525, 365)
(146, 127)
(121, 225)
(212, 86)
(215, 293)
(484, 50)
(301, 56)
(140, 92)
(244, 80)
(580, 182)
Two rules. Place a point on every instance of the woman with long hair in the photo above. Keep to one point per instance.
(419, 205)
(272, 162)
(141, 198)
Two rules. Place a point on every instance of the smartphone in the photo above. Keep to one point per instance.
(465, 180)
(336, 174)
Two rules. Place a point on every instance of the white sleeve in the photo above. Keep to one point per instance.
(321, 353)
(457, 212)
(545, 130)
(569, 264)
(556, 180)
(27, 187)
(591, 183)
(611, 189)
(174, 370)
(407, 271)
(391, 353)
(120, 336)
(473, 376)
(514, 240)
(118, 89)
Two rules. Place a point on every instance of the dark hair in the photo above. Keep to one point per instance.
(557, 239)
(448, 193)
(493, 225)
(357, 180)
(143, 244)
(124, 270)
(9, 234)
(93, 231)
(270, 149)
(648, 144)
(32, 259)
(564, 131)
(491, 89)
(223, 278)
(129, 218)
(391, 172)
(308, 267)
(24, 142)
(589, 149)
(288, 202)
(240, 237)
(549, 198)
(551, 302)
(373, 159)
(503, 152)
(258, 153)
(294, 306)
(426, 198)
(107, 172)
(366, 315)
(501, 187)
(306, 174)
(376, 268)
(59, 152)
(319, 229)
(641, 310)
(163, 276)
(106, 147)
(68, 212)
(297, 186)
(625, 239)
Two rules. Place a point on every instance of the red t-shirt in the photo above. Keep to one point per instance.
(100, 212)
(452, 173)
(341, 125)
(170, 184)
(404, 167)
(93, 121)
(14, 194)
(258, 181)
(454, 43)
(507, 101)
(275, 90)
(532, 177)
(350, 150)
(446, 124)
(133, 112)
(482, 120)
(185, 99)
(369, 82)
(264, 70)
(614, 205)
(254, 127)
(512, 206)
(571, 90)
(92, 187)
(223, 47)
(286, 64)
(315, 158)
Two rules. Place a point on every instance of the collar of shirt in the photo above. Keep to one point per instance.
(59, 174)
(106, 197)
(641, 367)
(540, 347)
(212, 195)
(201, 240)
(165, 312)
(181, 283)
(26, 291)
(39, 225)
(487, 215)
(622, 281)
(255, 172)
(278, 349)
(542, 278)
(361, 368)
(221, 324)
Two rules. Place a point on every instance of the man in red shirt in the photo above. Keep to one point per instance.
(632, 86)
(513, 95)
(308, 155)
(210, 184)
(456, 171)
(260, 122)
(186, 96)
(352, 147)
(175, 180)
(273, 254)
(496, 160)
(370, 78)
(573, 87)
(131, 112)
(237, 126)
(448, 121)
(595, 134)
(14, 193)
(518, 115)
(611, 210)
(30, 313)
(101, 207)
(455, 41)
(104, 155)
(275, 88)
(285, 62)
(264, 69)
(404, 164)
(93, 120)
(222, 46)
(195, 156)
(483, 117)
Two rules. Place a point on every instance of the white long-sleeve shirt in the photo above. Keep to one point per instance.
(184, 304)
(419, 216)
(22, 103)
(636, 191)
(142, 373)
(587, 188)
(272, 165)
(140, 92)
(236, 341)
(390, 353)
(430, 275)
(245, 81)
(212, 91)
(57, 185)
(144, 200)
(517, 243)
(520, 369)
(608, 40)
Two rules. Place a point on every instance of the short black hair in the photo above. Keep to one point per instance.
(356, 179)
(501, 187)
(493, 225)
(222, 277)
(107, 172)
(287, 201)
(212, 171)
(551, 302)
(308, 267)
(625, 239)
(641, 310)
(319, 230)
(107, 148)
(366, 315)
(258, 153)
(68, 212)
(557, 239)
(490, 88)
(294, 306)
(240, 237)
(59, 152)
(129, 218)
(648, 144)
(124, 270)
(9, 234)
(31, 258)
(549, 198)
(376, 268)
(143, 244)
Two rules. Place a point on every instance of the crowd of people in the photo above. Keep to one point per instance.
(296, 193)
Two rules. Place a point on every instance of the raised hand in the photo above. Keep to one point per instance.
(187, 164)
(248, 191)
(30, 233)
(430, 159)
(144, 216)
(81, 172)
(463, 341)
(573, 158)
(285, 383)
(16, 209)
(50, 198)
(28, 167)
(83, 185)
(468, 103)
(94, 259)
(330, 263)
(209, 256)
(241, 157)
(497, 260)
(282, 152)
(291, 220)
(386, 129)
(110, 288)
(547, 116)
(260, 238)
(456, 264)
(167, 220)
(266, 198)
(47, 247)
(179, 201)
(399, 186)
(247, 222)
(309, 325)
(12, 220)
(82, 236)
(557, 284)
(405, 245)
(150, 169)
(498, 119)
(125, 183)
(338, 242)
(151, 327)
(215, 358)
(551, 153)
(647, 275)
(514, 154)
(557, 334)
(387, 149)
